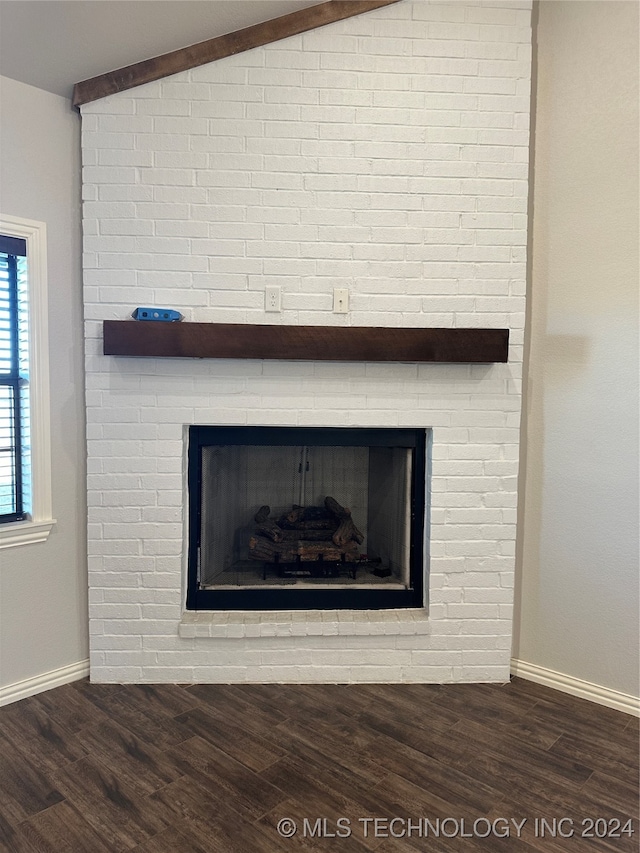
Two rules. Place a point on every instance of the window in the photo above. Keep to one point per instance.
(14, 381)
(25, 458)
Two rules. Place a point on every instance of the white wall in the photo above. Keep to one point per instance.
(43, 608)
(578, 589)
(388, 154)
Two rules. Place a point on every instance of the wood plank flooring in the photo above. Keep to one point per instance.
(216, 768)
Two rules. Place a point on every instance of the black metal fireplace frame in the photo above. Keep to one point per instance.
(290, 598)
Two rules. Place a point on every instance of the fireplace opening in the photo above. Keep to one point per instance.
(306, 518)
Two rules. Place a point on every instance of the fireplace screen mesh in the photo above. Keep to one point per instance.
(283, 515)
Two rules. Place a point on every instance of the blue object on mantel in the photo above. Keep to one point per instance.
(164, 315)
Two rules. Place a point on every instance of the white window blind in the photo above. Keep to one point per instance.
(14, 385)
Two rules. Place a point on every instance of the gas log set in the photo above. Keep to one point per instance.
(311, 541)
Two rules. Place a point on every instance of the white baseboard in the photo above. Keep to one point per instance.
(540, 674)
(577, 687)
(46, 681)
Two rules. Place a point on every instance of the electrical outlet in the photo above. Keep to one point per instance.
(340, 300)
(272, 298)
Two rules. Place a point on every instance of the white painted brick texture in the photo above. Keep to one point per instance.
(387, 153)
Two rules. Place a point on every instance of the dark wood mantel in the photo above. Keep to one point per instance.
(315, 343)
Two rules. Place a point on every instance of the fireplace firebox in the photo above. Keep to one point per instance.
(290, 518)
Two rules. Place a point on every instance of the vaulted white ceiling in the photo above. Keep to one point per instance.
(53, 44)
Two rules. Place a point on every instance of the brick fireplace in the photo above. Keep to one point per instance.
(386, 154)
(305, 550)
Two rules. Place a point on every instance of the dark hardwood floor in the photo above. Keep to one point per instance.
(216, 769)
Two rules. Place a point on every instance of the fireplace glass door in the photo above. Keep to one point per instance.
(310, 518)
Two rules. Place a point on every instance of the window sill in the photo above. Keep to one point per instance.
(24, 532)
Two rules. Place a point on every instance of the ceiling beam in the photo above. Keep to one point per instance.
(219, 47)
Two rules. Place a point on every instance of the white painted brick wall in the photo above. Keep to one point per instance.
(388, 154)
